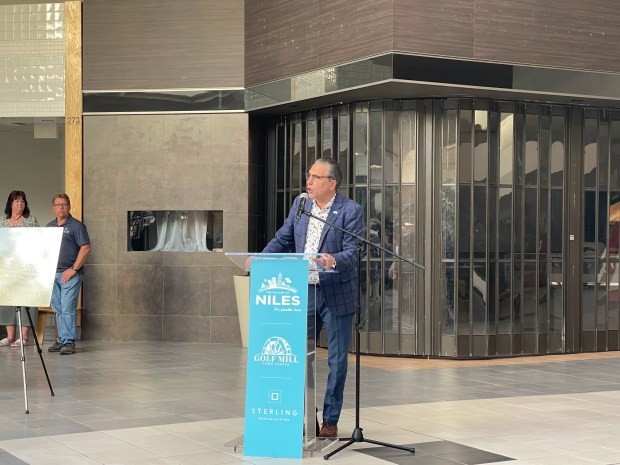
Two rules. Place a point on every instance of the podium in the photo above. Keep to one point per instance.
(280, 411)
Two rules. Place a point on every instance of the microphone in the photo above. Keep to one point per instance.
(302, 203)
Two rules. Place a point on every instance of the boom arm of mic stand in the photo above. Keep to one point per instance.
(364, 241)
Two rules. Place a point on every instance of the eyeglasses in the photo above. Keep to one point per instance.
(314, 177)
(61, 205)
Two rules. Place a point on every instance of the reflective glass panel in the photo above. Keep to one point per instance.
(464, 220)
(504, 220)
(543, 297)
(506, 148)
(517, 297)
(343, 146)
(449, 148)
(327, 136)
(558, 129)
(408, 146)
(280, 156)
(614, 152)
(530, 300)
(311, 137)
(360, 146)
(603, 154)
(464, 299)
(519, 152)
(408, 224)
(376, 147)
(500, 168)
(479, 296)
(391, 150)
(447, 298)
(480, 222)
(408, 303)
(531, 149)
(448, 223)
(504, 296)
(465, 145)
(481, 145)
(530, 217)
(590, 152)
(556, 298)
(296, 162)
(544, 147)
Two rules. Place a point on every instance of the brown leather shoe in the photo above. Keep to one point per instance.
(328, 430)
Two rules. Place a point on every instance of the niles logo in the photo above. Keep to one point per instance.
(276, 352)
(278, 300)
(277, 283)
(277, 291)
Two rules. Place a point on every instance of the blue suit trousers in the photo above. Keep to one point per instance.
(338, 330)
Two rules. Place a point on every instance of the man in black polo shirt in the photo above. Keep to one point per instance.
(74, 249)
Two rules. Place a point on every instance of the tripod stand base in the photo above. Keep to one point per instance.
(358, 436)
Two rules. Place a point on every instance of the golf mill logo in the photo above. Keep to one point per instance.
(276, 352)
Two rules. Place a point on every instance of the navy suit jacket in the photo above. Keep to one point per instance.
(339, 288)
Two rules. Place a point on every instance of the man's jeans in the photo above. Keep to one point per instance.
(64, 303)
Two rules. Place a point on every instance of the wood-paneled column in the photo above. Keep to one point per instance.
(73, 105)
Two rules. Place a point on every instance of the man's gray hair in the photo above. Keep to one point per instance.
(334, 169)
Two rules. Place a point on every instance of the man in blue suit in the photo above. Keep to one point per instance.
(334, 295)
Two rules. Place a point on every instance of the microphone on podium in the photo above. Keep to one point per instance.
(302, 203)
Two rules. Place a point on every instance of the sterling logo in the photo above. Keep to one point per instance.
(274, 413)
(276, 352)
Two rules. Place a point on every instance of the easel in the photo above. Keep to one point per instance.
(28, 260)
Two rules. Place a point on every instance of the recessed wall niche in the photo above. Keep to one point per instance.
(175, 231)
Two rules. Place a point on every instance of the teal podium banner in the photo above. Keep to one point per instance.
(274, 403)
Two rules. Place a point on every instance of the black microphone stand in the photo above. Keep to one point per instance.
(357, 435)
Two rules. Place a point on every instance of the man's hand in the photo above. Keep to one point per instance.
(326, 260)
(67, 275)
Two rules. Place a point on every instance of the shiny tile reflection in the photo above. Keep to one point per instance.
(131, 403)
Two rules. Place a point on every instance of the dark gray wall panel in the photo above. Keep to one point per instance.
(350, 30)
(285, 38)
(438, 27)
(163, 162)
(281, 38)
(582, 34)
(289, 38)
(150, 44)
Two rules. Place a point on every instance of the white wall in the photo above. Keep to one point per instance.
(35, 166)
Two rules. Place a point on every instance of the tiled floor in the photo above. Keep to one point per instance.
(143, 403)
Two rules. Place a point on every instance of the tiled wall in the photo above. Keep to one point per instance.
(32, 71)
(163, 162)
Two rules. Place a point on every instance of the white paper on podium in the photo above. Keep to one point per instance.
(28, 260)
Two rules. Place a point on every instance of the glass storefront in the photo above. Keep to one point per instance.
(478, 191)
